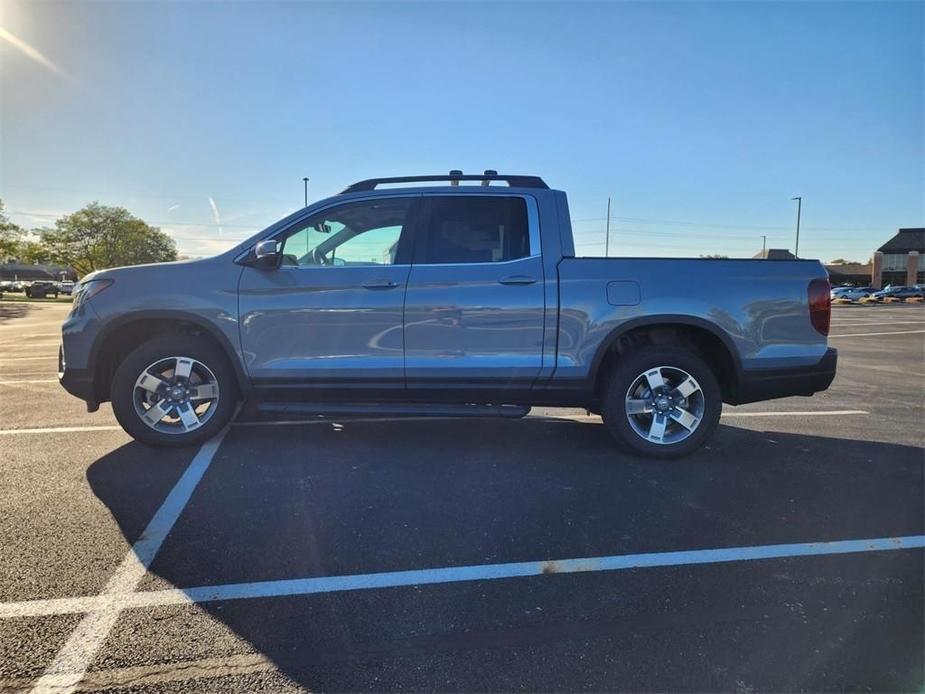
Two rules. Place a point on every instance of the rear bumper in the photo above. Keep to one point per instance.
(767, 384)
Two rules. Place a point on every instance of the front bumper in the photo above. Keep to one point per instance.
(77, 382)
(767, 384)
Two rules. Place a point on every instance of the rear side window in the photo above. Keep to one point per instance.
(474, 229)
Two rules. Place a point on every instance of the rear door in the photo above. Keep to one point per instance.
(474, 307)
(331, 313)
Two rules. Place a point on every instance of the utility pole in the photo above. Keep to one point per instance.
(796, 248)
(764, 246)
(607, 233)
(305, 182)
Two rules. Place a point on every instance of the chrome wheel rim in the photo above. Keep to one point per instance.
(176, 395)
(664, 405)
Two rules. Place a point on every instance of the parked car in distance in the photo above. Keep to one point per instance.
(66, 287)
(854, 293)
(41, 289)
(449, 300)
(897, 292)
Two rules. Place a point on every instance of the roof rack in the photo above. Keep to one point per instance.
(454, 177)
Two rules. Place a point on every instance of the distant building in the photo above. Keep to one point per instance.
(28, 273)
(775, 254)
(850, 273)
(901, 260)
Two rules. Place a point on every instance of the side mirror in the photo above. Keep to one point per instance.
(266, 254)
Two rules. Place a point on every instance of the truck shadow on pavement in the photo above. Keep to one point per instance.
(283, 502)
(10, 310)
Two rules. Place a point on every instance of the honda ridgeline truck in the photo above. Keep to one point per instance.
(444, 300)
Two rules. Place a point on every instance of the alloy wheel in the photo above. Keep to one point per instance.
(176, 395)
(664, 405)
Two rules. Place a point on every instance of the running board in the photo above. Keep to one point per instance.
(376, 409)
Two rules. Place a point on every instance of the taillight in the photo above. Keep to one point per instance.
(820, 304)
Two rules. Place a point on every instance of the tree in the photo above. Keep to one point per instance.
(842, 261)
(714, 256)
(11, 237)
(98, 236)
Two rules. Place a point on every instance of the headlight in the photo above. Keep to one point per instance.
(87, 289)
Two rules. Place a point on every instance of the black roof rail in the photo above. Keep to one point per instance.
(454, 177)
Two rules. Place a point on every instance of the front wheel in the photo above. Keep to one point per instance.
(176, 390)
(662, 402)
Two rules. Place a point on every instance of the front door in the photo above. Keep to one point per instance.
(332, 311)
(474, 308)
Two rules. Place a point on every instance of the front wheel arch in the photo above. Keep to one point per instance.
(119, 339)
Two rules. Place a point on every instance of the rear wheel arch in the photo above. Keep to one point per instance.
(701, 337)
(114, 344)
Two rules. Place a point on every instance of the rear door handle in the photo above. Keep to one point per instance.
(517, 279)
(380, 284)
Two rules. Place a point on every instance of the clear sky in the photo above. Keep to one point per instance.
(701, 120)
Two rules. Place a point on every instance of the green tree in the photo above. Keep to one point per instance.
(98, 237)
(842, 261)
(11, 238)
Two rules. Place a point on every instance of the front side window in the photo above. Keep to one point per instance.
(358, 233)
(475, 229)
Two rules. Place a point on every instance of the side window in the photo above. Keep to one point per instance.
(358, 233)
(475, 229)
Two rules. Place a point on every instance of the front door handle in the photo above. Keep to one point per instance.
(517, 279)
(380, 284)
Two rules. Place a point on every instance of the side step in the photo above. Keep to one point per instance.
(392, 409)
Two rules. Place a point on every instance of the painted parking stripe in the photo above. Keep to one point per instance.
(894, 332)
(805, 413)
(858, 324)
(69, 665)
(451, 574)
(302, 422)
(50, 357)
(28, 380)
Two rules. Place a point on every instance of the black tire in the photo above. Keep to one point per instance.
(631, 366)
(28, 293)
(123, 387)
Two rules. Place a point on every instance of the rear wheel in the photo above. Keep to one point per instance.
(174, 391)
(662, 402)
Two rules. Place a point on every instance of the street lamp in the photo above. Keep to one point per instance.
(305, 183)
(796, 249)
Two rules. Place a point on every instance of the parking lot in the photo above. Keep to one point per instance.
(438, 554)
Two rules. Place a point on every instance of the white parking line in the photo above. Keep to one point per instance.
(853, 324)
(895, 332)
(48, 357)
(805, 413)
(33, 380)
(453, 574)
(68, 668)
(58, 430)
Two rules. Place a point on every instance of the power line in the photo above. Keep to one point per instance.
(641, 220)
(153, 196)
(47, 215)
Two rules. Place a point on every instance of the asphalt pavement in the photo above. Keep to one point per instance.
(469, 554)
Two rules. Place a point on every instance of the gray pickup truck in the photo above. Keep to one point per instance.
(418, 295)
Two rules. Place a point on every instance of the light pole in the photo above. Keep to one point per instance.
(796, 248)
(607, 233)
(764, 246)
(305, 183)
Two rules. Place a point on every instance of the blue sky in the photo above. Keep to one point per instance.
(701, 120)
